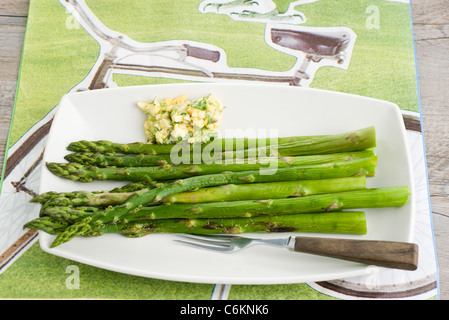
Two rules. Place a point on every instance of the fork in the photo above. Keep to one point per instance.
(390, 254)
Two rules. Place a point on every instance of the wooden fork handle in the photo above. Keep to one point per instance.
(390, 254)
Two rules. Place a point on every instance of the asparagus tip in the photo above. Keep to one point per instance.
(71, 171)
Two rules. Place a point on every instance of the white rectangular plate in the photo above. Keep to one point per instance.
(112, 114)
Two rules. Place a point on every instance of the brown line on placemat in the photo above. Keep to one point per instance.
(412, 124)
(17, 247)
(200, 73)
(219, 292)
(379, 295)
(20, 185)
(26, 147)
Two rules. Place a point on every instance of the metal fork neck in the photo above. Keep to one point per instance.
(279, 242)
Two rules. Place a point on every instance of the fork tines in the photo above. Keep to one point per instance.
(214, 242)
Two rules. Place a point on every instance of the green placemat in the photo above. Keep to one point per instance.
(65, 45)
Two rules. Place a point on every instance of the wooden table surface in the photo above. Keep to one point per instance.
(431, 31)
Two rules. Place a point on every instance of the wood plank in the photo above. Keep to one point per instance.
(430, 11)
(17, 8)
(13, 29)
(431, 31)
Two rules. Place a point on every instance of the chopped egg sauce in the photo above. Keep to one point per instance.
(171, 120)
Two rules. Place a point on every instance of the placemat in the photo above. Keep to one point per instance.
(74, 45)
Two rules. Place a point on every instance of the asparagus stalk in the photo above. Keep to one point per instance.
(317, 144)
(356, 199)
(115, 196)
(119, 160)
(47, 224)
(331, 222)
(143, 160)
(269, 190)
(69, 214)
(81, 198)
(44, 197)
(79, 172)
(92, 198)
(352, 222)
(141, 198)
(230, 192)
(139, 185)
